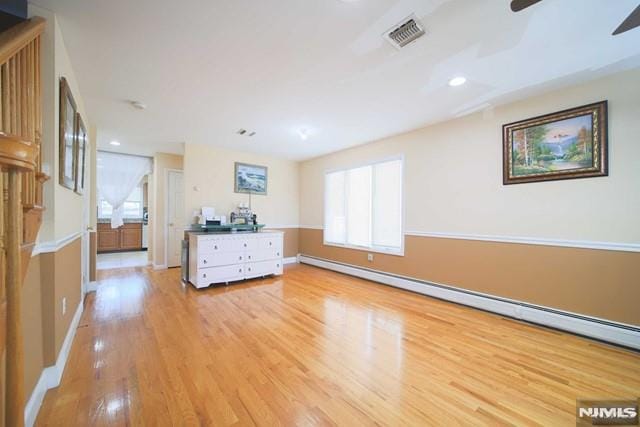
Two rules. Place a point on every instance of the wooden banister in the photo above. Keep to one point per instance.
(17, 37)
(21, 198)
(17, 154)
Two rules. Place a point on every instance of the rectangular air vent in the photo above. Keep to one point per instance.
(409, 30)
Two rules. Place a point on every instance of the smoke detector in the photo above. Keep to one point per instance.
(407, 31)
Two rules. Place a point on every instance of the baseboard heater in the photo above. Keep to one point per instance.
(599, 329)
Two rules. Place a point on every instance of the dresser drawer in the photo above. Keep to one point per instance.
(263, 255)
(215, 245)
(227, 273)
(262, 268)
(270, 242)
(214, 259)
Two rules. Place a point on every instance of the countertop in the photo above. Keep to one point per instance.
(125, 220)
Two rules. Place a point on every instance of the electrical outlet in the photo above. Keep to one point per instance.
(64, 306)
(370, 257)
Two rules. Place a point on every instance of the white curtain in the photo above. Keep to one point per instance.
(117, 177)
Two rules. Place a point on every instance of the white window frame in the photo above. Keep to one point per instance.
(101, 215)
(376, 249)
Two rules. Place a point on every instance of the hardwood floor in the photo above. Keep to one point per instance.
(315, 347)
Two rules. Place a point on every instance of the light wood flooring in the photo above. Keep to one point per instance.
(314, 347)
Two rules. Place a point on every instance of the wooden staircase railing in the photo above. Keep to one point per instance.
(21, 203)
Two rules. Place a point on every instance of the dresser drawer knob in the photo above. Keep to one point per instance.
(239, 270)
(249, 268)
(205, 261)
(277, 265)
(240, 257)
(277, 253)
(270, 243)
(245, 245)
(215, 247)
(204, 275)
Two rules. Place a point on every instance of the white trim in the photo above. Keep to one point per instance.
(602, 329)
(166, 214)
(159, 266)
(55, 245)
(372, 247)
(609, 246)
(91, 286)
(51, 375)
(582, 244)
(290, 260)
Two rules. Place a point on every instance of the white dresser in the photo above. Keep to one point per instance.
(227, 257)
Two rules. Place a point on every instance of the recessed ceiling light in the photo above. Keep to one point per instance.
(114, 143)
(457, 81)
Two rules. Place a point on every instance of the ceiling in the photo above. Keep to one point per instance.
(206, 68)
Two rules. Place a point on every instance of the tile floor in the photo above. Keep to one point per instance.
(121, 259)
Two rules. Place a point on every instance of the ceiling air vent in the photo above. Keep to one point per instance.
(409, 30)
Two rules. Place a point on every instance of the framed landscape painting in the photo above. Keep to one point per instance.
(250, 179)
(563, 145)
(81, 158)
(67, 137)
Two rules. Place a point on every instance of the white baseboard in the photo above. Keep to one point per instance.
(159, 266)
(91, 286)
(601, 329)
(290, 260)
(51, 375)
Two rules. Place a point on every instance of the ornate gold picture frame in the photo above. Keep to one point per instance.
(566, 144)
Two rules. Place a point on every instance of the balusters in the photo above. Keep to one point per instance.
(21, 190)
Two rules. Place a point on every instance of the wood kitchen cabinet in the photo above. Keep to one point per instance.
(125, 238)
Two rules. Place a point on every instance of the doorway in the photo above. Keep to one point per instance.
(174, 213)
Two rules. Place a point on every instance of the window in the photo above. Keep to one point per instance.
(132, 206)
(363, 207)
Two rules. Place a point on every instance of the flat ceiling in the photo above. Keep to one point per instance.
(206, 68)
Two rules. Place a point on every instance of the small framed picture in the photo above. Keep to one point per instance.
(562, 145)
(67, 137)
(250, 179)
(81, 157)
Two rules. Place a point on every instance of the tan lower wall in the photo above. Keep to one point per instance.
(68, 284)
(50, 278)
(32, 325)
(595, 283)
(290, 242)
(93, 254)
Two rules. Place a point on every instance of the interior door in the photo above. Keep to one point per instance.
(175, 211)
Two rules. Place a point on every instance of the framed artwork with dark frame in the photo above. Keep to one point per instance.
(67, 138)
(566, 144)
(81, 144)
(251, 179)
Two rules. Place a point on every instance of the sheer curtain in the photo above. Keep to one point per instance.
(117, 176)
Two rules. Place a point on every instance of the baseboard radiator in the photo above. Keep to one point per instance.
(599, 329)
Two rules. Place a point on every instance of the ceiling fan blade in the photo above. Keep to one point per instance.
(518, 5)
(632, 21)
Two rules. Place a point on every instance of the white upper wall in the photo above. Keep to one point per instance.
(209, 181)
(453, 174)
(64, 213)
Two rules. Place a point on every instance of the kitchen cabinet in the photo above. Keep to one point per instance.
(125, 238)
